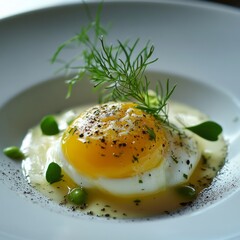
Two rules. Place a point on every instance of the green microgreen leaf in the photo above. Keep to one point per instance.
(53, 173)
(77, 196)
(208, 130)
(14, 152)
(49, 126)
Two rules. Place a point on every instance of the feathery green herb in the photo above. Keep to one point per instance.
(87, 40)
(118, 71)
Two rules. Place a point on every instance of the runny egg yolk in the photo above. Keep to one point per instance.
(114, 140)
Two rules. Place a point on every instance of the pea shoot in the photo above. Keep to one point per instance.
(49, 126)
(77, 196)
(14, 152)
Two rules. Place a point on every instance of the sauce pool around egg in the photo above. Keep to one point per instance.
(131, 165)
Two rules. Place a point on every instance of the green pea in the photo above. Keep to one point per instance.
(187, 191)
(14, 152)
(49, 126)
(53, 173)
(77, 195)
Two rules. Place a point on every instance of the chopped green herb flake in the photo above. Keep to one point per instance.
(152, 135)
(14, 152)
(185, 176)
(205, 160)
(49, 126)
(70, 121)
(54, 173)
(135, 159)
(137, 202)
(174, 158)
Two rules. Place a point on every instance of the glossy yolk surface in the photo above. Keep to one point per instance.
(114, 140)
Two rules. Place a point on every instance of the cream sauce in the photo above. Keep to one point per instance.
(36, 147)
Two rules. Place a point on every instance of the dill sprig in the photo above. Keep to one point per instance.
(118, 71)
(121, 74)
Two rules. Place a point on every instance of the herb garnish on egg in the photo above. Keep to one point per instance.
(119, 72)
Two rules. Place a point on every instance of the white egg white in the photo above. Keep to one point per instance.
(175, 169)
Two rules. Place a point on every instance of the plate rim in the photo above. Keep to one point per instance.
(133, 1)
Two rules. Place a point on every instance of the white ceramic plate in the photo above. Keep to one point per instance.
(198, 47)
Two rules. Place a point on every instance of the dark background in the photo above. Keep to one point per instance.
(235, 3)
